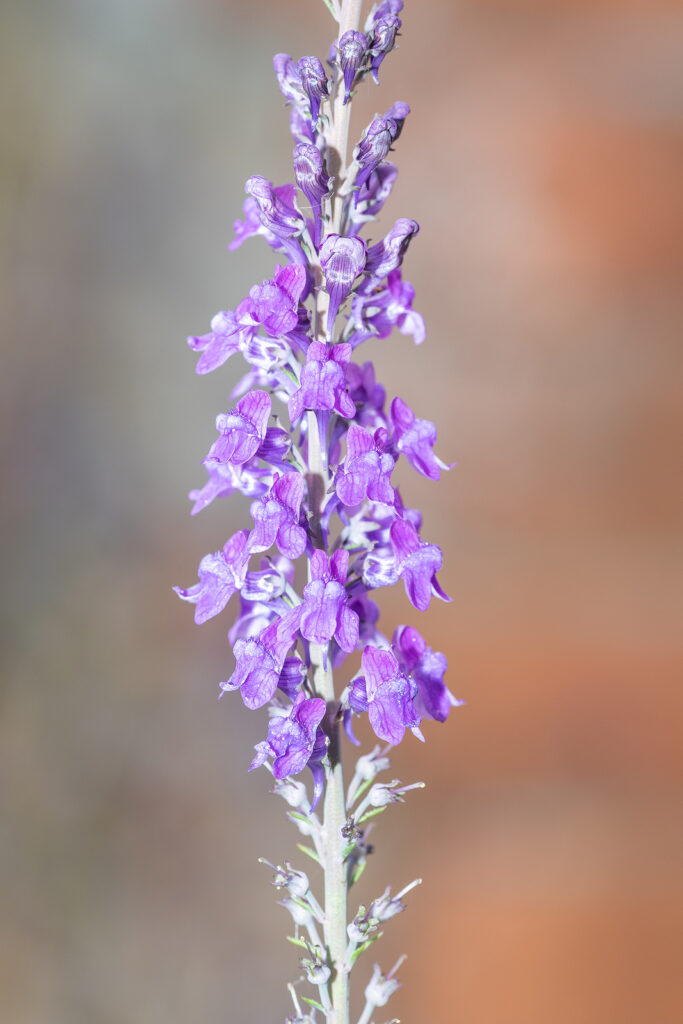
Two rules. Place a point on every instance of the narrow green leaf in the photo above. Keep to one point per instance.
(363, 788)
(371, 814)
(297, 942)
(360, 868)
(309, 852)
(332, 8)
(365, 945)
(312, 1002)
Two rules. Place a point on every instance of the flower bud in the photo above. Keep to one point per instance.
(374, 147)
(341, 259)
(370, 765)
(314, 83)
(380, 989)
(294, 793)
(398, 112)
(317, 971)
(352, 49)
(300, 915)
(383, 39)
(388, 254)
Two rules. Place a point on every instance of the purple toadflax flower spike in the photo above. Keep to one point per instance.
(321, 492)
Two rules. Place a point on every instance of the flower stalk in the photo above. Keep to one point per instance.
(322, 490)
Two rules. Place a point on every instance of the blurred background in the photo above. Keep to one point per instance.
(543, 160)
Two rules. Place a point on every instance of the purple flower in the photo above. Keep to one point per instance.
(276, 517)
(388, 254)
(352, 48)
(257, 222)
(260, 659)
(314, 83)
(323, 382)
(367, 394)
(417, 564)
(274, 304)
(228, 333)
(367, 468)
(377, 190)
(386, 694)
(398, 112)
(242, 430)
(427, 668)
(249, 479)
(416, 439)
(277, 208)
(220, 576)
(342, 259)
(288, 79)
(373, 148)
(313, 180)
(291, 737)
(383, 38)
(376, 313)
(326, 613)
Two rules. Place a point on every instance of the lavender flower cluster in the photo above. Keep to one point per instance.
(321, 488)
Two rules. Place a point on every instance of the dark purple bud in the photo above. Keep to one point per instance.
(388, 254)
(398, 113)
(313, 180)
(314, 83)
(383, 38)
(373, 147)
(352, 49)
(288, 78)
(341, 259)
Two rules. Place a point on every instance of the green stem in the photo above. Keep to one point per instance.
(334, 867)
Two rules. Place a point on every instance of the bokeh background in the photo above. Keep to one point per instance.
(543, 160)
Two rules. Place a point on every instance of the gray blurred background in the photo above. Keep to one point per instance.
(543, 160)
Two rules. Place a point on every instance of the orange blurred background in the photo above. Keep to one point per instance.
(543, 159)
